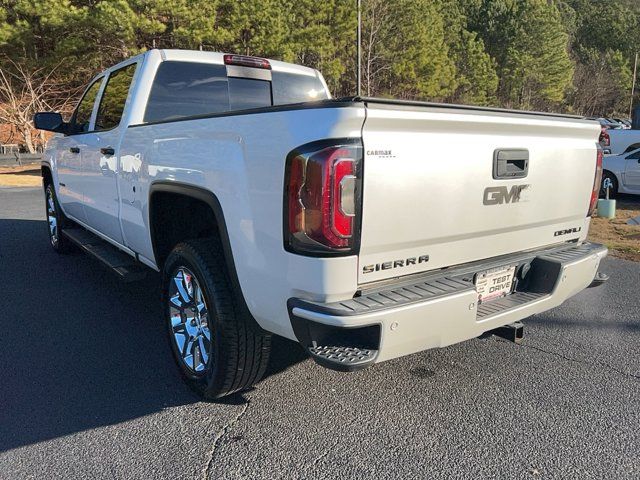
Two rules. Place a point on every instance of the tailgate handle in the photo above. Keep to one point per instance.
(510, 163)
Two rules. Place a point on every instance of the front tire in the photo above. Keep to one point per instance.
(219, 351)
(56, 221)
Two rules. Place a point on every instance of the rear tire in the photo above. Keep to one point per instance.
(219, 351)
(613, 191)
(56, 221)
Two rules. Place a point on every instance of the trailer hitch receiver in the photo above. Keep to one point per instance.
(600, 279)
(513, 332)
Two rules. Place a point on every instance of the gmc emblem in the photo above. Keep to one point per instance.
(501, 195)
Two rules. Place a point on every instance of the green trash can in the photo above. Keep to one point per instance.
(606, 208)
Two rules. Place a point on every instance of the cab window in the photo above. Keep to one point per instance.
(245, 93)
(114, 98)
(296, 88)
(183, 89)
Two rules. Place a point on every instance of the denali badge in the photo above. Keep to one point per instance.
(395, 264)
(568, 231)
(500, 195)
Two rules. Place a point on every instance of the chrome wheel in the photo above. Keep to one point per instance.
(52, 218)
(189, 318)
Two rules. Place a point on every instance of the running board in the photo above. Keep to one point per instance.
(123, 265)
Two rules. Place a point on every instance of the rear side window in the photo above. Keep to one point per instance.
(293, 88)
(249, 93)
(182, 89)
(632, 147)
(114, 98)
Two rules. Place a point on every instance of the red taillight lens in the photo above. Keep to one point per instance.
(343, 197)
(245, 61)
(605, 139)
(596, 184)
(322, 198)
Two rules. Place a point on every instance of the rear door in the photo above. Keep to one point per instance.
(100, 156)
(69, 152)
(438, 189)
(632, 171)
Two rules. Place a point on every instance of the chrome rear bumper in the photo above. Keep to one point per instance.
(437, 310)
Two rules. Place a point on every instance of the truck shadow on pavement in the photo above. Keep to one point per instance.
(80, 349)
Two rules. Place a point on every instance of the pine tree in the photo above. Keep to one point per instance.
(513, 53)
(476, 78)
(405, 51)
(530, 46)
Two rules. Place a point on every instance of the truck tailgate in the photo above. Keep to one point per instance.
(430, 199)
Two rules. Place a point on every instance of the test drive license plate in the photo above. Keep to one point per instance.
(494, 283)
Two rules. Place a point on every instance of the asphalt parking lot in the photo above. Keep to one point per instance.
(89, 389)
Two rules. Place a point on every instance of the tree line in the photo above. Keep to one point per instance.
(573, 56)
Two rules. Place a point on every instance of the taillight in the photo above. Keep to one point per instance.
(605, 138)
(595, 193)
(323, 198)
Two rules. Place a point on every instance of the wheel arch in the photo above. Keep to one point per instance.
(46, 172)
(220, 229)
(187, 192)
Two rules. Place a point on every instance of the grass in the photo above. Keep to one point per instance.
(623, 240)
(20, 177)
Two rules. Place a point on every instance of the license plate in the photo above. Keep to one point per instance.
(494, 283)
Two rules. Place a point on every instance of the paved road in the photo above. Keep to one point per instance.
(88, 389)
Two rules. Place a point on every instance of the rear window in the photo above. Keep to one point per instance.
(249, 93)
(292, 88)
(184, 89)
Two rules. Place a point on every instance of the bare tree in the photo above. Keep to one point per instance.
(24, 91)
(376, 17)
(601, 85)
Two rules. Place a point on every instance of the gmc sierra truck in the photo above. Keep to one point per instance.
(365, 229)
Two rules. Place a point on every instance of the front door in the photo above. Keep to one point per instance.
(100, 157)
(69, 155)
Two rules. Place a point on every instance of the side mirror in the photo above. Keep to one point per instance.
(50, 121)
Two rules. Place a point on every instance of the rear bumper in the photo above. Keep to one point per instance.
(439, 309)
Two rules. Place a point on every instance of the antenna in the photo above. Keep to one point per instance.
(633, 86)
(359, 52)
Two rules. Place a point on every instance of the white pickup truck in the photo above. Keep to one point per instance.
(364, 229)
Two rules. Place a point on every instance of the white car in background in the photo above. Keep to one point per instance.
(624, 172)
(619, 141)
